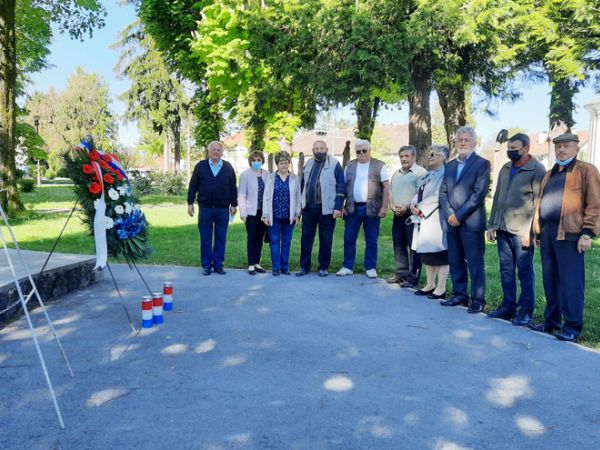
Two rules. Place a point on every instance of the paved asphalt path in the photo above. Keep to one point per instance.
(291, 363)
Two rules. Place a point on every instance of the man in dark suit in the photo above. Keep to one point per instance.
(462, 204)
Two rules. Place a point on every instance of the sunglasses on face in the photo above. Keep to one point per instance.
(433, 155)
(361, 152)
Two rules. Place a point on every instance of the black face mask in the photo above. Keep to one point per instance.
(320, 156)
(513, 155)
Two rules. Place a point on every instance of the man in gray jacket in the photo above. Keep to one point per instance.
(516, 196)
(323, 190)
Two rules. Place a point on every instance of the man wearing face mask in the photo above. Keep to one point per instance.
(323, 189)
(517, 193)
(565, 221)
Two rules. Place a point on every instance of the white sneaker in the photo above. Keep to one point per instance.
(343, 272)
(372, 273)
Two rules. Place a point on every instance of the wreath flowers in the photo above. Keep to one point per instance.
(111, 213)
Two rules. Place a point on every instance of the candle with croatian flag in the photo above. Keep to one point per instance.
(168, 296)
(147, 315)
(157, 308)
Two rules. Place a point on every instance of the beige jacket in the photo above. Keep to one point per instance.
(295, 197)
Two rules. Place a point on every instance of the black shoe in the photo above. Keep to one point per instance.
(566, 336)
(395, 279)
(422, 292)
(433, 296)
(301, 273)
(541, 328)
(408, 284)
(220, 271)
(286, 272)
(476, 307)
(455, 301)
(259, 269)
(323, 273)
(252, 271)
(522, 319)
(206, 271)
(276, 273)
(502, 313)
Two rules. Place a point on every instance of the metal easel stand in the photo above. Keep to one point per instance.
(24, 300)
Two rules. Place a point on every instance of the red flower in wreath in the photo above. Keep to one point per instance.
(106, 157)
(87, 169)
(94, 155)
(95, 188)
(120, 177)
(104, 165)
(108, 178)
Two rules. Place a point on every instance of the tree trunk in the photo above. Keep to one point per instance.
(8, 79)
(258, 130)
(167, 151)
(561, 104)
(419, 117)
(176, 129)
(366, 115)
(454, 107)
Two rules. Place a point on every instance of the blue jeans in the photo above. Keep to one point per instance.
(213, 220)
(371, 230)
(514, 258)
(281, 238)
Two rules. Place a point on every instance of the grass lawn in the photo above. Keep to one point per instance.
(174, 238)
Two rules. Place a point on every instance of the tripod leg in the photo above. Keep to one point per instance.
(122, 302)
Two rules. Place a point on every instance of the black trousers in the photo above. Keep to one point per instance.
(311, 219)
(256, 230)
(408, 262)
(563, 270)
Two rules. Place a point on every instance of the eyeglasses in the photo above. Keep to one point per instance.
(361, 152)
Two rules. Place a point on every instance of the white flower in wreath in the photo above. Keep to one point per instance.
(122, 190)
(119, 209)
(114, 195)
(128, 208)
(109, 223)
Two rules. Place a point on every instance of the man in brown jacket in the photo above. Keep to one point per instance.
(566, 220)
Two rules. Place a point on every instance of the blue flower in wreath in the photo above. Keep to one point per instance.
(130, 225)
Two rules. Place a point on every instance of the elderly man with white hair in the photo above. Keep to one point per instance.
(367, 194)
(462, 204)
(213, 185)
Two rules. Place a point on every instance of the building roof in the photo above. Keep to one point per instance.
(539, 144)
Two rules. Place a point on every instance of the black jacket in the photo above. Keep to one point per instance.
(211, 191)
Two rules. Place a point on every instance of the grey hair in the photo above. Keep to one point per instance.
(441, 149)
(362, 142)
(408, 148)
(282, 156)
(213, 143)
(467, 130)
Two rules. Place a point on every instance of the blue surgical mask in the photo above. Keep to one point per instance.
(256, 165)
(564, 163)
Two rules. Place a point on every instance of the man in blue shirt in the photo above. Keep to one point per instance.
(213, 184)
(462, 205)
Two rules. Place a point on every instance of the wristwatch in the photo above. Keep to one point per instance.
(587, 237)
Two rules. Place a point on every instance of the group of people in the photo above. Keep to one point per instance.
(439, 220)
